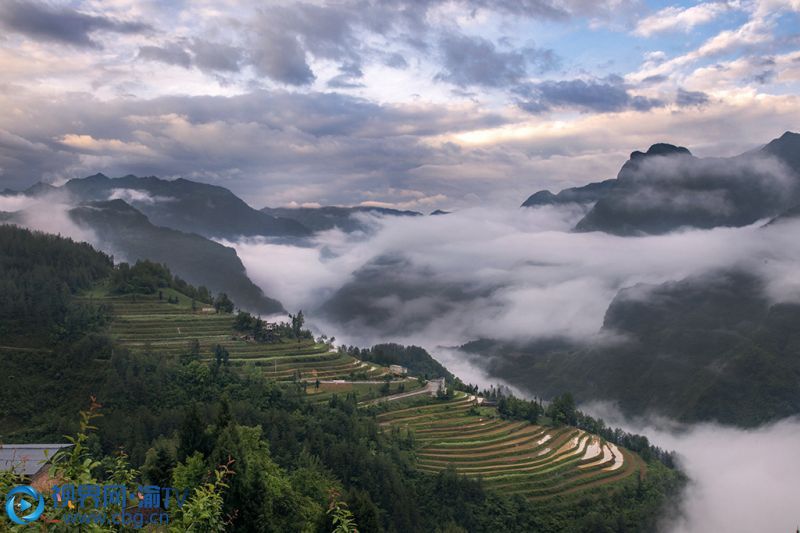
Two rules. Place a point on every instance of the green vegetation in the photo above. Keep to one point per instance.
(39, 274)
(418, 361)
(265, 443)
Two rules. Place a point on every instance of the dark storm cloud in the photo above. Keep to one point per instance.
(470, 61)
(691, 98)
(60, 24)
(596, 95)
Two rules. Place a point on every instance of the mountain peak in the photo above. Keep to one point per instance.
(787, 148)
(97, 177)
(38, 188)
(661, 149)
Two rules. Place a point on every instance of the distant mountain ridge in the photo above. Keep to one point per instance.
(667, 188)
(329, 217)
(185, 205)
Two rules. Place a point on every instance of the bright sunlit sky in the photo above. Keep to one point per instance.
(419, 104)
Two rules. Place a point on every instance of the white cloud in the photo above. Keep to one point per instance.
(529, 275)
(134, 196)
(740, 480)
(674, 18)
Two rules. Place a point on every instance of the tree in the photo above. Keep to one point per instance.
(192, 435)
(221, 356)
(223, 304)
(562, 410)
(297, 324)
(158, 465)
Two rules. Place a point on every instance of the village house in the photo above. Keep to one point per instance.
(398, 370)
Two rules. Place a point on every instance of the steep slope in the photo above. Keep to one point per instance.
(329, 217)
(704, 348)
(129, 234)
(185, 205)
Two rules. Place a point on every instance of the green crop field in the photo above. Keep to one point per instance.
(145, 322)
(513, 457)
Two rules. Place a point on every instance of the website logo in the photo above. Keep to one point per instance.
(18, 500)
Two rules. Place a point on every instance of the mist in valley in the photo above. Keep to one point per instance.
(523, 274)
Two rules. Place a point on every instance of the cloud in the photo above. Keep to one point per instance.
(133, 196)
(281, 56)
(215, 56)
(674, 18)
(15, 202)
(603, 96)
(686, 98)
(740, 480)
(48, 213)
(61, 24)
(170, 53)
(349, 77)
(205, 55)
(756, 35)
(471, 61)
(512, 274)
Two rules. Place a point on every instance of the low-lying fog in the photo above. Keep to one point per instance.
(540, 279)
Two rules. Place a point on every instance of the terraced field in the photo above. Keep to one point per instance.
(147, 323)
(365, 391)
(513, 457)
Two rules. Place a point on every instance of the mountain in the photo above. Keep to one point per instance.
(581, 195)
(39, 189)
(667, 188)
(329, 217)
(786, 148)
(710, 347)
(129, 234)
(185, 205)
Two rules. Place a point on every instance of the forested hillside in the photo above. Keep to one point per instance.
(39, 274)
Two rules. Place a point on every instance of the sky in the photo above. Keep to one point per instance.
(415, 104)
